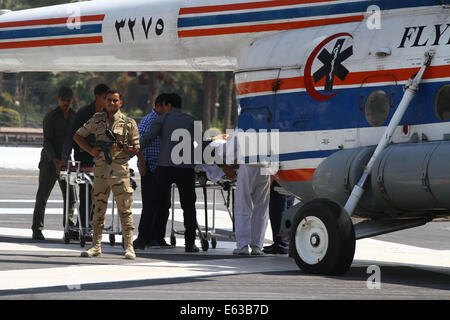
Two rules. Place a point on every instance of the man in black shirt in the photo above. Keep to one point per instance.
(168, 172)
(176, 161)
(81, 117)
(56, 124)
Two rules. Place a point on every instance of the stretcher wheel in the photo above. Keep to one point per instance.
(82, 240)
(66, 237)
(173, 240)
(112, 239)
(213, 242)
(205, 245)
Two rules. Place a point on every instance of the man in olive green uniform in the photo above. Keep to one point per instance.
(57, 124)
(113, 176)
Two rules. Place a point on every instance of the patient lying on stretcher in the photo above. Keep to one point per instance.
(220, 172)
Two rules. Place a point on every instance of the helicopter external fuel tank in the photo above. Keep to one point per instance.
(407, 179)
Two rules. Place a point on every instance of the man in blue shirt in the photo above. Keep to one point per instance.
(151, 154)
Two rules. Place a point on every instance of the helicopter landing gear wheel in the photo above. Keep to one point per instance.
(322, 238)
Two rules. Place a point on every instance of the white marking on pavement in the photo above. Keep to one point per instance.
(368, 251)
(384, 252)
(27, 201)
(77, 276)
(48, 211)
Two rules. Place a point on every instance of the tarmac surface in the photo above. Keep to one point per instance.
(412, 264)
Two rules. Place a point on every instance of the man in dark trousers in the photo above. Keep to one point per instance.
(168, 171)
(86, 160)
(57, 124)
(278, 203)
(148, 181)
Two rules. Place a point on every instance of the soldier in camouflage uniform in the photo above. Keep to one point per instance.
(114, 176)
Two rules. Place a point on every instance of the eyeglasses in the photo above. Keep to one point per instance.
(113, 100)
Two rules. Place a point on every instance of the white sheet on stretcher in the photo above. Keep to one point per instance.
(213, 172)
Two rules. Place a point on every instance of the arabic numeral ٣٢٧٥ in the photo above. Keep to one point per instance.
(145, 24)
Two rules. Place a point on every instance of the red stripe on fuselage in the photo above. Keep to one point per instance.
(294, 175)
(50, 42)
(248, 6)
(28, 23)
(267, 27)
(353, 78)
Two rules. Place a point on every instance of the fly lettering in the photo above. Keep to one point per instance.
(420, 36)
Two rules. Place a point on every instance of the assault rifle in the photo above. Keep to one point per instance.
(124, 146)
(106, 145)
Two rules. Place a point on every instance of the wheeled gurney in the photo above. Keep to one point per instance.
(75, 175)
(224, 186)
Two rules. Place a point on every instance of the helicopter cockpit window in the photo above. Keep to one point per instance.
(442, 103)
(377, 108)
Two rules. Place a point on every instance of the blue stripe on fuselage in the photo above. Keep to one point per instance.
(304, 12)
(318, 154)
(49, 32)
(289, 112)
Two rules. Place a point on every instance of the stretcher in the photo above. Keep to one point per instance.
(207, 234)
(75, 175)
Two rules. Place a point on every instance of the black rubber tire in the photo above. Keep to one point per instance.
(112, 240)
(213, 242)
(205, 245)
(82, 241)
(341, 235)
(66, 237)
(173, 240)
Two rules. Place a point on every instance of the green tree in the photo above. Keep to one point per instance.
(25, 4)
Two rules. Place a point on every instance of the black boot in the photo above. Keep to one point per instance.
(38, 235)
(191, 248)
(139, 243)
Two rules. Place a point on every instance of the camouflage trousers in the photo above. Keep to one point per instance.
(123, 194)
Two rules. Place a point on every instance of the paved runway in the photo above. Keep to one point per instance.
(413, 264)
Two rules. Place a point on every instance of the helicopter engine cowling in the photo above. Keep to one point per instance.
(406, 180)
